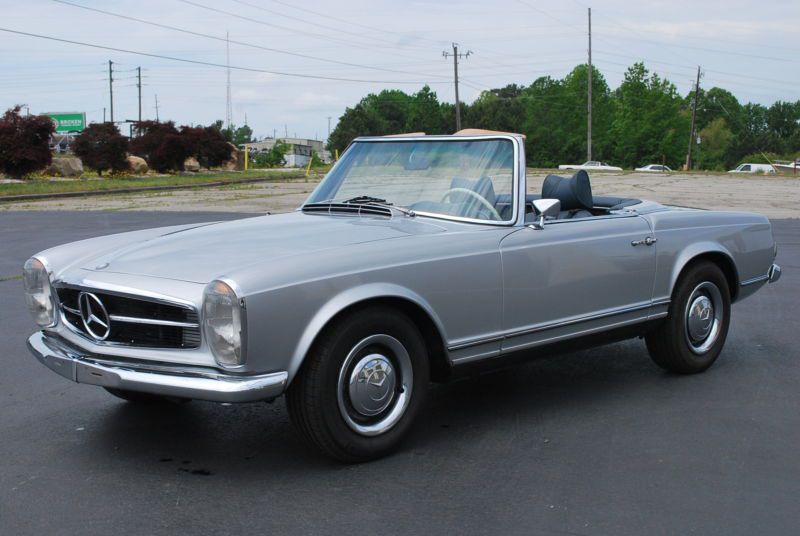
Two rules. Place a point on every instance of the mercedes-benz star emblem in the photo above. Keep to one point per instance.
(94, 316)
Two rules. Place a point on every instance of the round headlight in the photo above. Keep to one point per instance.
(222, 324)
(38, 293)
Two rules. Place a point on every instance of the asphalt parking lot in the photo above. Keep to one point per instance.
(596, 442)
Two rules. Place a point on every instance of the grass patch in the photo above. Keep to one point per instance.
(3, 279)
(45, 186)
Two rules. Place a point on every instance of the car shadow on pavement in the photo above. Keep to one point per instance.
(207, 439)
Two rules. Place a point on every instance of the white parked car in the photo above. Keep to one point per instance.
(591, 165)
(753, 168)
(654, 167)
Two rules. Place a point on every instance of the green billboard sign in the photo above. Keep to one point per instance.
(68, 122)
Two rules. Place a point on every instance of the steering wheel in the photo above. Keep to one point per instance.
(475, 195)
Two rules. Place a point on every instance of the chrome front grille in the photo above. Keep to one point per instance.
(132, 321)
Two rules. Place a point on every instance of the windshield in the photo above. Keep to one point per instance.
(464, 178)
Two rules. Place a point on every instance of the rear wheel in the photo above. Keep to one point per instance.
(361, 386)
(692, 336)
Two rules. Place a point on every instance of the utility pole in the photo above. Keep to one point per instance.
(156, 107)
(589, 98)
(228, 107)
(111, 87)
(456, 56)
(104, 114)
(329, 128)
(694, 116)
(139, 87)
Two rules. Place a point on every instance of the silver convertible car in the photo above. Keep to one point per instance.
(417, 257)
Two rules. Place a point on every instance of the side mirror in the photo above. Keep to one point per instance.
(545, 208)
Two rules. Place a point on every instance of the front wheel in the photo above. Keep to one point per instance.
(692, 336)
(361, 386)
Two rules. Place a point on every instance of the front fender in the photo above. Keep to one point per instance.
(347, 298)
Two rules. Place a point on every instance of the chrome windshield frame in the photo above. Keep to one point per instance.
(517, 174)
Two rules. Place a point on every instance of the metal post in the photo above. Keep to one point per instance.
(111, 87)
(139, 86)
(589, 98)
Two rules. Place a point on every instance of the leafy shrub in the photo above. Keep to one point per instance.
(100, 146)
(275, 157)
(207, 144)
(161, 145)
(24, 143)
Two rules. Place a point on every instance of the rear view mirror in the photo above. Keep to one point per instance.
(545, 208)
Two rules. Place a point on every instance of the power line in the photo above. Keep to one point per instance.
(241, 43)
(208, 63)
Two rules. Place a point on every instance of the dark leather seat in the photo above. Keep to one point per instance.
(574, 193)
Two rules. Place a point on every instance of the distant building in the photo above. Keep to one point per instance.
(300, 152)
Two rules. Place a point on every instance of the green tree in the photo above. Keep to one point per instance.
(425, 113)
(649, 120)
(716, 139)
(375, 115)
(496, 109)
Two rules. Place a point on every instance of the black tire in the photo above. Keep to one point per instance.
(319, 403)
(137, 397)
(679, 348)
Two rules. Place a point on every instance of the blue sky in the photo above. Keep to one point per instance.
(750, 48)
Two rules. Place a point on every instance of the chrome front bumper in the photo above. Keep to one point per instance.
(168, 380)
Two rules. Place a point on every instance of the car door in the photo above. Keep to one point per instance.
(576, 277)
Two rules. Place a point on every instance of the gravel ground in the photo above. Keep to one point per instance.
(775, 196)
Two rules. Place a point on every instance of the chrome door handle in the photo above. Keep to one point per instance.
(647, 241)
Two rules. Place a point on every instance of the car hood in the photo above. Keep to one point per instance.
(202, 253)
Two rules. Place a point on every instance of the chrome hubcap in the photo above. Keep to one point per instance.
(372, 385)
(703, 317)
(375, 384)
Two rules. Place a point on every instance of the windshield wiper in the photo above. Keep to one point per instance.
(377, 201)
(365, 199)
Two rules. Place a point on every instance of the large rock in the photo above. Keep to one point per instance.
(66, 167)
(138, 165)
(233, 164)
(191, 164)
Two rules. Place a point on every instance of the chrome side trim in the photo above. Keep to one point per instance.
(154, 322)
(754, 280)
(173, 380)
(561, 323)
(577, 320)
